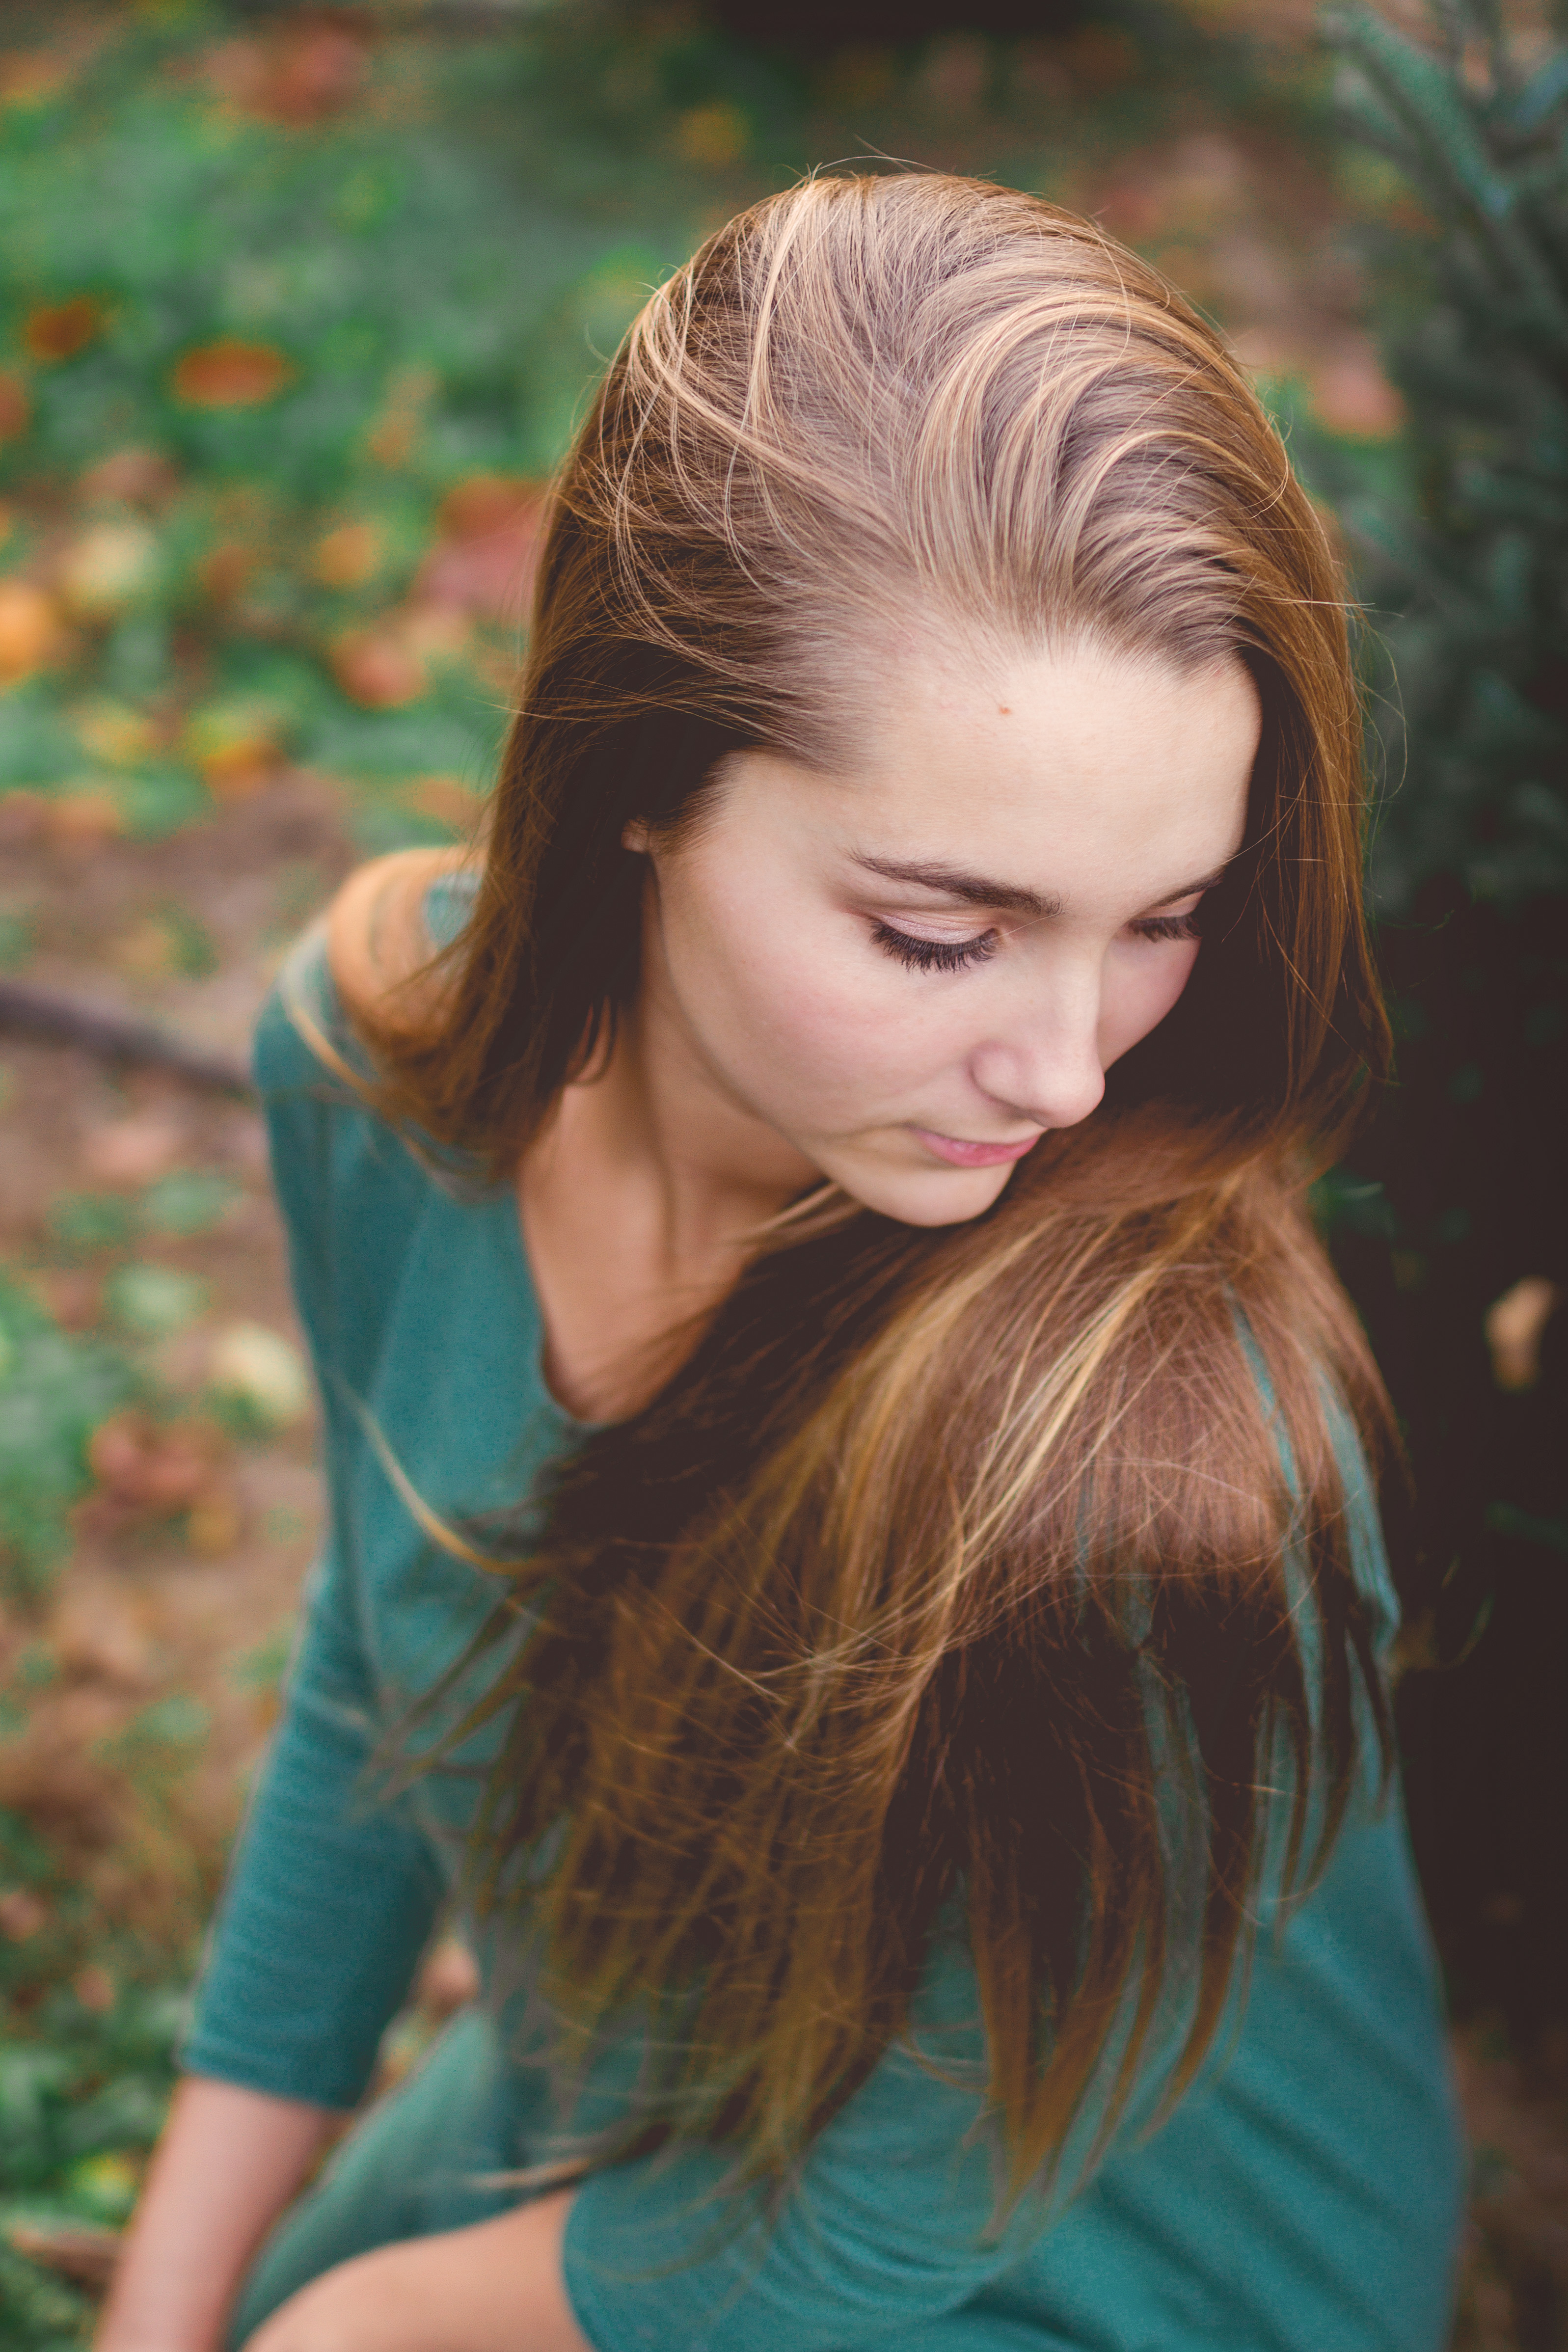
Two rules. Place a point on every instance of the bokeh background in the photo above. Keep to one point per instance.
(297, 308)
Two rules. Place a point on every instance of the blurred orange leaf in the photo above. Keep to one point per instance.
(237, 770)
(378, 668)
(30, 77)
(30, 628)
(232, 374)
(236, 745)
(484, 503)
(57, 330)
(226, 569)
(345, 557)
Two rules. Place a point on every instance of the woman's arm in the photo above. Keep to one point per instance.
(228, 2162)
(495, 2287)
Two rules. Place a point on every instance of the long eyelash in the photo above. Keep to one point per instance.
(1168, 927)
(934, 955)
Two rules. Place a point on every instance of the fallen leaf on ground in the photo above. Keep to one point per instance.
(22, 1914)
(378, 668)
(107, 568)
(232, 374)
(161, 1468)
(261, 1369)
(57, 330)
(132, 478)
(30, 630)
(95, 1988)
(346, 557)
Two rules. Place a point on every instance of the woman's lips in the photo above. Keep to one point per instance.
(959, 1154)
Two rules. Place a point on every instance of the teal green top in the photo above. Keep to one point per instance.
(1303, 2197)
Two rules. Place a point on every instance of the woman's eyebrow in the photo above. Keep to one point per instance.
(973, 888)
(976, 891)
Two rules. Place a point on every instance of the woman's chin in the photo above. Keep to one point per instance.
(922, 1196)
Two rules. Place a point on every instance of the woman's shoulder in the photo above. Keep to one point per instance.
(353, 1188)
(361, 959)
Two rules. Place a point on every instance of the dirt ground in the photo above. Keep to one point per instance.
(155, 1603)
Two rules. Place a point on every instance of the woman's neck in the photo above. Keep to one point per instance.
(640, 1203)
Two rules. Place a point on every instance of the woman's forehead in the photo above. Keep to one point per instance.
(1043, 775)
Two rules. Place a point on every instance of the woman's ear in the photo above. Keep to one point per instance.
(635, 835)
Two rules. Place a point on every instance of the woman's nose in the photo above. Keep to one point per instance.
(1049, 1072)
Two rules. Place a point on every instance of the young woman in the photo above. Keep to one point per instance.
(852, 1559)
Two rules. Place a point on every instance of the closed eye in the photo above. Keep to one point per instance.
(1161, 928)
(933, 955)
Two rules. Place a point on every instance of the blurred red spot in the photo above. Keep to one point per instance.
(132, 478)
(15, 409)
(1351, 395)
(484, 563)
(57, 330)
(95, 1988)
(21, 1915)
(161, 1468)
(378, 668)
(486, 503)
(231, 374)
(304, 72)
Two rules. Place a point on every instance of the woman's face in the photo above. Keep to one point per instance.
(904, 973)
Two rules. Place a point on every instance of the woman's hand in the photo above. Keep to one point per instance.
(495, 2287)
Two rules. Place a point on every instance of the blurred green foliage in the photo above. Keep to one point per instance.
(55, 1388)
(83, 2089)
(247, 359)
(1471, 570)
(1455, 1192)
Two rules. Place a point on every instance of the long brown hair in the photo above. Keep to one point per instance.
(939, 1541)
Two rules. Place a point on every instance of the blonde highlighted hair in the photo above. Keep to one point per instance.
(938, 1541)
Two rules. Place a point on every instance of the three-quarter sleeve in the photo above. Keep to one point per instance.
(332, 1897)
(332, 1894)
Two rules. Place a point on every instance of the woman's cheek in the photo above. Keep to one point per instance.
(1140, 993)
